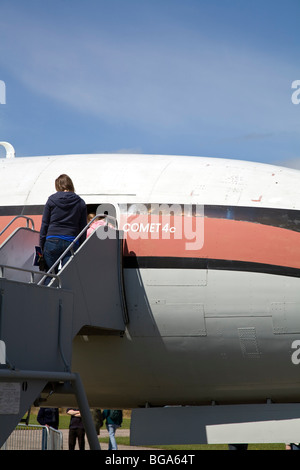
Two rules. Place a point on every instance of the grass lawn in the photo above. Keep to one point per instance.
(64, 421)
(125, 441)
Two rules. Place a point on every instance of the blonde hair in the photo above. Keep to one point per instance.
(64, 183)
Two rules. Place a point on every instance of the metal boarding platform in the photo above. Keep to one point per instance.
(30, 359)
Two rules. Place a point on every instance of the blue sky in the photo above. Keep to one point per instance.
(183, 77)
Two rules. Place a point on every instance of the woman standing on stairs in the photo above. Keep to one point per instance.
(64, 218)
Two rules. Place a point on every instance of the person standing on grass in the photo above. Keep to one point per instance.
(76, 429)
(114, 420)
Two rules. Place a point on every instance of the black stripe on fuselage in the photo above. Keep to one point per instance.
(21, 210)
(157, 262)
(282, 218)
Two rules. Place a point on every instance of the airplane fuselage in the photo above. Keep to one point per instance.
(211, 270)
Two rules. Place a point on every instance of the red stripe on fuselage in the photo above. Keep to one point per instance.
(229, 240)
(223, 239)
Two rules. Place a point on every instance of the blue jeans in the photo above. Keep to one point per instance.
(112, 445)
(53, 249)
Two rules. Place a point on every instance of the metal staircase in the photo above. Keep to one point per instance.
(38, 322)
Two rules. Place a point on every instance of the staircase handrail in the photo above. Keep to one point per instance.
(18, 217)
(32, 271)
(71, 246)
(120, 265)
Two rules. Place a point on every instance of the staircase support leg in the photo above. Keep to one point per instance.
(8, 375)
(85, 412)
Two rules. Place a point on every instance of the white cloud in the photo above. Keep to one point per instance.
(150, 83)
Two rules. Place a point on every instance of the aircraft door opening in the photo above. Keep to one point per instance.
(105, 208)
